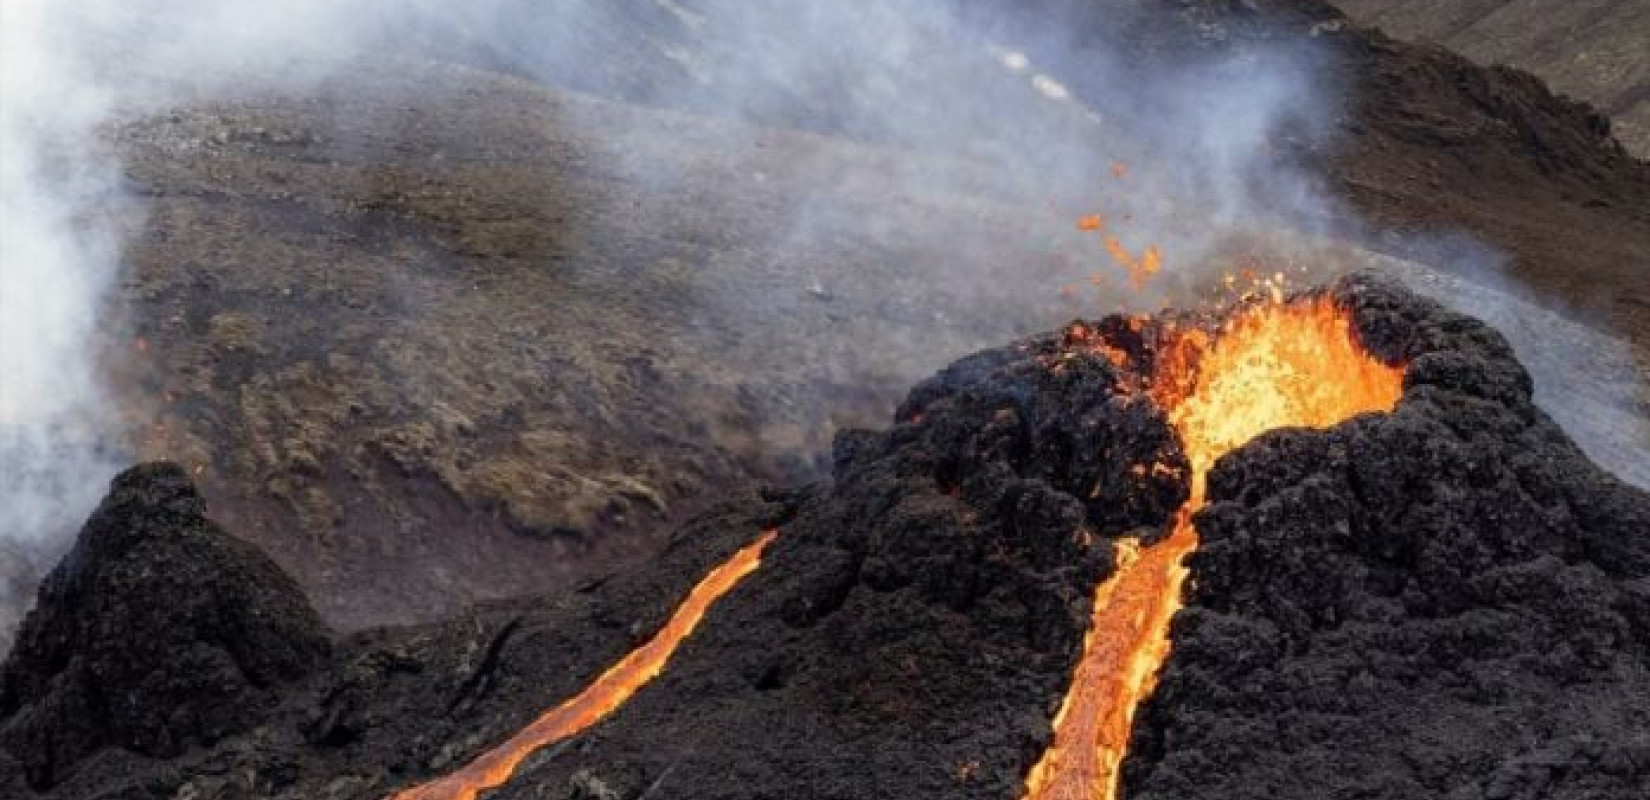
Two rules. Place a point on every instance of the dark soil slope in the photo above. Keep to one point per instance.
(1593, 49)
(1426, 145)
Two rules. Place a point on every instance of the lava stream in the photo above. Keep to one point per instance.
(1270, 366)
(615, 686)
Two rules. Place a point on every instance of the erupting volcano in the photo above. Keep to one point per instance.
(722, 400)
(1163, 557)
(1270, 365)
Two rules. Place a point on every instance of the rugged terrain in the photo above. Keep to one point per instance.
(458, 324)
(911, 629)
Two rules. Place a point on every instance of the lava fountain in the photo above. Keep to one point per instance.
(1270, 365)
(602, 697)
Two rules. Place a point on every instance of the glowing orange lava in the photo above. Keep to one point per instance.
(492, 768)
(1270, 366)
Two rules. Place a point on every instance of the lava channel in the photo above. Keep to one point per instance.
(615, 686)
(1274, 365)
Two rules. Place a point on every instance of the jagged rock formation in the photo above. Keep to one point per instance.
(1443, 601)
(157, 633)
(336, 720)
(912, 629)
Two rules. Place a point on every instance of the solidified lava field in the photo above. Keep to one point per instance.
(1446, 599)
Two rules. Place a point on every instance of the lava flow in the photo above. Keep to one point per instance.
(492, 768)
(1270, 366)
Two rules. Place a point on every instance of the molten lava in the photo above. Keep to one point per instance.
(615, 686)
(1270, 366)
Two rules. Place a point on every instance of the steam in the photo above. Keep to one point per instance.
(1589, 382)
(55, 268)
(985, 102)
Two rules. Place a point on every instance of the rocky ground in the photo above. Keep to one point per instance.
(458, 343)
(1448, 600)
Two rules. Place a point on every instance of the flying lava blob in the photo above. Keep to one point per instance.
(601, 698)
(1271, 365)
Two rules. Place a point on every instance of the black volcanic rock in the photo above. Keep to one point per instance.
(1446, 601)
(158, 632)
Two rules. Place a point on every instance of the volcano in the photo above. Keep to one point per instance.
(1303, 546)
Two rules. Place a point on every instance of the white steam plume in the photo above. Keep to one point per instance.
(55, 267)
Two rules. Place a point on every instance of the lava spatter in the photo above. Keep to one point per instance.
(602, 697)
(1270, 365)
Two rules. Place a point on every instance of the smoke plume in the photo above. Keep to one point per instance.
(56, 264)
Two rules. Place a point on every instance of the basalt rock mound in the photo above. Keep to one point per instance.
(158, 632)
(1445, 601)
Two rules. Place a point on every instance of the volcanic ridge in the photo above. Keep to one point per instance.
(1440, 598)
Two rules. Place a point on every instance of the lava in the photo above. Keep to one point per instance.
(1140, 269)
(1271, 365)
(615, 686)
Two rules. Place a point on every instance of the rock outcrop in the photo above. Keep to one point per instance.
(157, 633)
